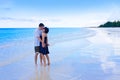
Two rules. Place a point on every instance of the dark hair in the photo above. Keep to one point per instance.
(41, 25)
(46, 30)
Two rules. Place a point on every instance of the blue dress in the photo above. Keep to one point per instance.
(44, 50)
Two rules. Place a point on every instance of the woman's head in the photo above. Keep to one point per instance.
(46, 30)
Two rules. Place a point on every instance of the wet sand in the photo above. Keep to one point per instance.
(91, 58)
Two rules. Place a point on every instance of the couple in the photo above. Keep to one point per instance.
(41, 44)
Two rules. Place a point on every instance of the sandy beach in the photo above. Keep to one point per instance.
(93, 56)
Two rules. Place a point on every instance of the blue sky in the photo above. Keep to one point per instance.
(58, 13)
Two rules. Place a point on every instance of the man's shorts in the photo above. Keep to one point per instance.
(37, 49)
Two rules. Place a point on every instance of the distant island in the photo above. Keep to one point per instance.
(111, 24)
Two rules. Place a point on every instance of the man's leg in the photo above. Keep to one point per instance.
(36, 55)
(48, 59)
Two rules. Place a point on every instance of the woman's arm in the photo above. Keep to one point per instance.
(47, 42)
(43, 37)
(39, 39)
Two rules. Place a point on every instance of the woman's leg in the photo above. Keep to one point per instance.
(41, 58)
(48, 59)
(44, 60)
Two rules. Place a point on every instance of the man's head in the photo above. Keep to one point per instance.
(41, 26)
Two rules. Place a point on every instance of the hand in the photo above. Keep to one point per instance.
(48, 44)
(43, 44)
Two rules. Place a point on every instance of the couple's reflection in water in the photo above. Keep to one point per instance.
(42, 73)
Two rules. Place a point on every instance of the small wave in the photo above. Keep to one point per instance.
(15, 42)
(14, 59)
(71, 36)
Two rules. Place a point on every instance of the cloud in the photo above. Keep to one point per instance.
(91, 19)
(31, 19)
(85, 20)
(5, 8)
(15, 19)
(28, 22)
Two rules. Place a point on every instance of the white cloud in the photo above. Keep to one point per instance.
(83, 20)
(15, 19)
(26, 22)
(76, 20)
(65, 21)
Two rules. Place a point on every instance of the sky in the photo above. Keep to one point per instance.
(57, 13)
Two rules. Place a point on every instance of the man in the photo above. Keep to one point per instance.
(38, 32)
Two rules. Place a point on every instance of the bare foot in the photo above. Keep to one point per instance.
(48, 63)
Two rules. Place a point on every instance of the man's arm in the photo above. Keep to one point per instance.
(37, 35)
(39, 39)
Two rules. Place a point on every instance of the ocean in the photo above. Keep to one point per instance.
(73, 52)
(17, 40)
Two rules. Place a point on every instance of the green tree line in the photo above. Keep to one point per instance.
(111, 24)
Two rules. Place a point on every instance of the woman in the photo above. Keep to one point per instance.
(44, 46)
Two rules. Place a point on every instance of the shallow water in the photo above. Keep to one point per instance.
(79, 54)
